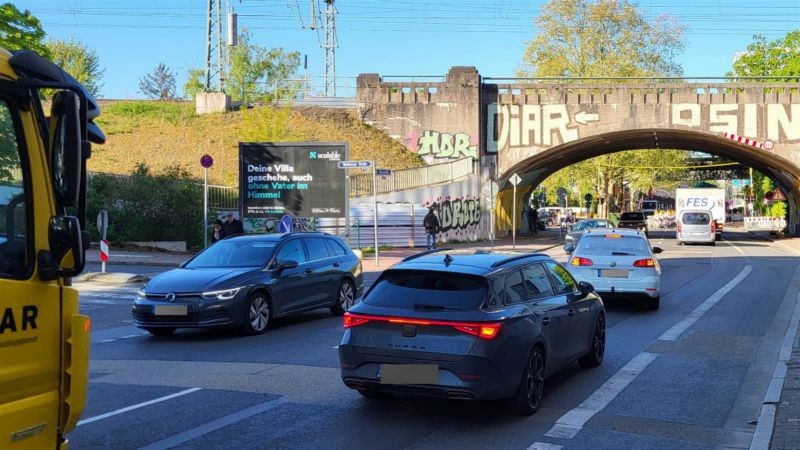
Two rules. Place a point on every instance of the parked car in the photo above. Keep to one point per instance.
(546, 219)
(471, 325)
(696, 226)
(634, 220)
(618, 263)
(246, 281)
(574, 235)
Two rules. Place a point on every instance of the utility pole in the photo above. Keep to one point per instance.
(214, 44)
(330, 48)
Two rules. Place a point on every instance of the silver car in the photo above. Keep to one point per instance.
(574, 235)
(618, 263)
(696, 226)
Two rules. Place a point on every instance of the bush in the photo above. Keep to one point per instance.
(148, 207)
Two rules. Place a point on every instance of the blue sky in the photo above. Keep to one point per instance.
(408, 38)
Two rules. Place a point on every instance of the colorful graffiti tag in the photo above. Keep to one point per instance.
(458, 217)
(444, 145)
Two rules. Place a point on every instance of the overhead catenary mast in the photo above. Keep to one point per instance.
(330, 48)
(215, 67)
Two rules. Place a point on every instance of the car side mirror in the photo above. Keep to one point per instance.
(569, 248)
(289, 264)
(183, 264)
(66, 257)
(66, 148)
(657, 250)
(585, 288)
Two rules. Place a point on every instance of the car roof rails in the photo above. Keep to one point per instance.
(427, 252)
(517, 257)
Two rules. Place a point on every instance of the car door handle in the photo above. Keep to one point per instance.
(336, 264)
(571, 312)
(545, 321)
(308, 270)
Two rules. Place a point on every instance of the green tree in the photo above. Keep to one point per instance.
(21, 30)
(158, 84)
(78, 60)
(258, 73)
(779, 57)
(605, 38)
(194, 83)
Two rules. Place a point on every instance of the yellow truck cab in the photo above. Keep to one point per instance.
(44, 340)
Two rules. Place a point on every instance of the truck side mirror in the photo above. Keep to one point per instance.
(66, 255)
(66, 148)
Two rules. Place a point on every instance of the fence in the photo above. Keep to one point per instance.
(764, 223)
(401, 180)
(399, 225)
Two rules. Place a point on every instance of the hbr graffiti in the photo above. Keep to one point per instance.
(444, 145)
(457, 214)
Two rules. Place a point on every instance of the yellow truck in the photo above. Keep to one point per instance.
(44, 340)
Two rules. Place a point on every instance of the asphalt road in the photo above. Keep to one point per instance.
(692, 375)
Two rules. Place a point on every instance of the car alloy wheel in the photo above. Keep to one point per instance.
(345, 299)
(535, 379)
(595, 356)
(259, 313)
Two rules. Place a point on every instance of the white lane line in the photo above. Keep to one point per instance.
(766, 420)
(735, 247)
(673, 333)
(136, 406)
(544, 446)
(572, 422)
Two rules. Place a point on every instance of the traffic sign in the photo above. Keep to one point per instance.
(286, 224)
(102, 222)
(354, 164)
(206, 161)
(383, 172)
(515, 179)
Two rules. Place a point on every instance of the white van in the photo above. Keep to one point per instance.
(696, 226)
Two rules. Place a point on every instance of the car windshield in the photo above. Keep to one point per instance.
(613, 245)
(233, 253)
(632, 216)
(649, 205)
(589, 225)
(428, 290)
(696, 219)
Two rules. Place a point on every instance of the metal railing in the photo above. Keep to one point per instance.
(405, 179)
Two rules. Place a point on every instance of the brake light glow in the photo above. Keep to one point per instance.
(644, 263)
(679, 226)
(613, 236)
(578, 261)
(713, 226)
(482, 330)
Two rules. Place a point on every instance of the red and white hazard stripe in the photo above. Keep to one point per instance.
(103, 250)
(744, 140)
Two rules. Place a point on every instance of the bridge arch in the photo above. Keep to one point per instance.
(535, 168)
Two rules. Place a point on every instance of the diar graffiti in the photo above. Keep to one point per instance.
(457, 214)
(444, 145)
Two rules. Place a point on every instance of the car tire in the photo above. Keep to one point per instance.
(713, 243)
(595, 356)
(160, 332)
(345, 298)
(372, 394)
(653, 303)
(257, 314)
(528, 398)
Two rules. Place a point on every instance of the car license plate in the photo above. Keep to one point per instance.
(408, 373)
(171, 310)
(613, 273)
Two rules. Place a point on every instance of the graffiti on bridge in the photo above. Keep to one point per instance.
(444, 145)
(457, 216)
(778, 123)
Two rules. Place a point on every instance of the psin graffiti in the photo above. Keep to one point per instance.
(460, 215)
(781, 124)
(444, 145)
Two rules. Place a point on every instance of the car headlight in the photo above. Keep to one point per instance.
(226, 294)
(570, 238)
(141, 293)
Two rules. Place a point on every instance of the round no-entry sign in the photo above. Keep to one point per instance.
(206, 161)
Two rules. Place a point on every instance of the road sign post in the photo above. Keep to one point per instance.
(367, 165)
(515, 179)
(206, 161)
(102, 228)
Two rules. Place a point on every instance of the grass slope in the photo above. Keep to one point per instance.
(168, 134)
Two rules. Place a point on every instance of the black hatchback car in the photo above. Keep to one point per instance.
(471, 326)
(246, 281)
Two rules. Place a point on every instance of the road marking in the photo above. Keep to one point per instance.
(766, 419)
(568, 426)
(178, 439)
(335, 347)
(544, 446)
(673, 333)
(136, 406)
(735, 247)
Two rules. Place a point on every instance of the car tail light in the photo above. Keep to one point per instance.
(713, 226)
(578, 261)
(679, 226)
(353, 320)
(487, 331)
(644, 263)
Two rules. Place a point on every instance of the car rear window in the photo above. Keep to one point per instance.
(632, 216)
(613, 245)
(649, 205)
(696, 219)
(428, 290)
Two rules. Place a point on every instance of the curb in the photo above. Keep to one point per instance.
(114, 277)
(137, 263)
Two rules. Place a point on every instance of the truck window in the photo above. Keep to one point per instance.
(15, 260)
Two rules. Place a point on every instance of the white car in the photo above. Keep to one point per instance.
(618, 262)
(696, 226)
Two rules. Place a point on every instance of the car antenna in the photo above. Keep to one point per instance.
(447, 259)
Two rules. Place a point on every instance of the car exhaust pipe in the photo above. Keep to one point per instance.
(355, 385)
(455, 395)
